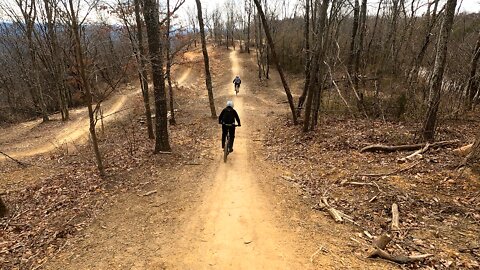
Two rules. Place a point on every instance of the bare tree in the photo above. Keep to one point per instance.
(306, 41)
(431, 18)
(430, 122)
(275, 60)
(208, 78)
(473, 81)
(316, 83)
(473, 158)
(169, 65)
(86, 85)
(143, 70)
(151, 15)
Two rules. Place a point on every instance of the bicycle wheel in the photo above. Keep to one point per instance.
(225, 149)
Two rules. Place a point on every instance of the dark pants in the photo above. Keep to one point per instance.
(231, 130)
(237, 84)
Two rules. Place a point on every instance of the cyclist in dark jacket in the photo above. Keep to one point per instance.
(227, 119)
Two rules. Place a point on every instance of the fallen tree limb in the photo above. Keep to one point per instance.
(418, 153)
(401, 259)
(395, 218)
(469, 249)
(22, 164)
(150, 192)
(392, 172)
(406, 147)
(334, 213)
(363, 184)
(381, 242)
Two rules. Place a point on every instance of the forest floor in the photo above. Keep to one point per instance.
(189, 210)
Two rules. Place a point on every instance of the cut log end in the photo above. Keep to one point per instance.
(464, 150)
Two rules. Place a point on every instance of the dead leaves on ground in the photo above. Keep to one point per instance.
(438, 208)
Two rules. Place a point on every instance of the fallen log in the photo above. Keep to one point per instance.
(406, 147)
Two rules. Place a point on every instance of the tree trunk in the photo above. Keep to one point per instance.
(143, 71)
(150, 13)
(316, 79)
(473, 158)
(275, 60)
(353, 38)
(169, 68)
(306, 40)
(430, 122)
(417, 61)
(249, 14)
(208, 78)
(30, 17)
(374, 28)
(55, 62)
(472, 84)
(86, 87)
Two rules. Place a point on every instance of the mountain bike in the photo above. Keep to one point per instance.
(237, 89)
(227, 148)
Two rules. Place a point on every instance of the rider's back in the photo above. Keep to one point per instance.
(228, 115)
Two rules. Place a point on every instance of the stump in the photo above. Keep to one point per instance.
(3, 208)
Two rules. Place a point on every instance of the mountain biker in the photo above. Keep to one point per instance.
(227, 119)
(237, 82)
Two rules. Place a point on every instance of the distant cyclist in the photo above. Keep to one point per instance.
(237, 83)
(227, 119)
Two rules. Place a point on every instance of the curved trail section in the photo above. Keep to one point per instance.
(234, 227)
(74, 131)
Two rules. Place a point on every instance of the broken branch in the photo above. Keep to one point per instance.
(395, 218)
(401, 259)
(406, 147)
(334, 213)
(22, 164)
(392, 172)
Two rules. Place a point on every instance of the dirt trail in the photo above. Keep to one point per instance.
(234, 227)
(232, 215)
(70, 133)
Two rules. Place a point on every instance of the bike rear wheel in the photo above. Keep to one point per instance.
(225, 148)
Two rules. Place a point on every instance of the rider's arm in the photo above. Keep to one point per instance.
(220, 117)
(237, 118)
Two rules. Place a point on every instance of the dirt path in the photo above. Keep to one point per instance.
(234, 226)
(65, 135)
(232, 215)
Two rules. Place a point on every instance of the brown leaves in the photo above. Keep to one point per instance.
(436, 205)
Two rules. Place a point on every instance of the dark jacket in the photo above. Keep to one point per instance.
(228, 116)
